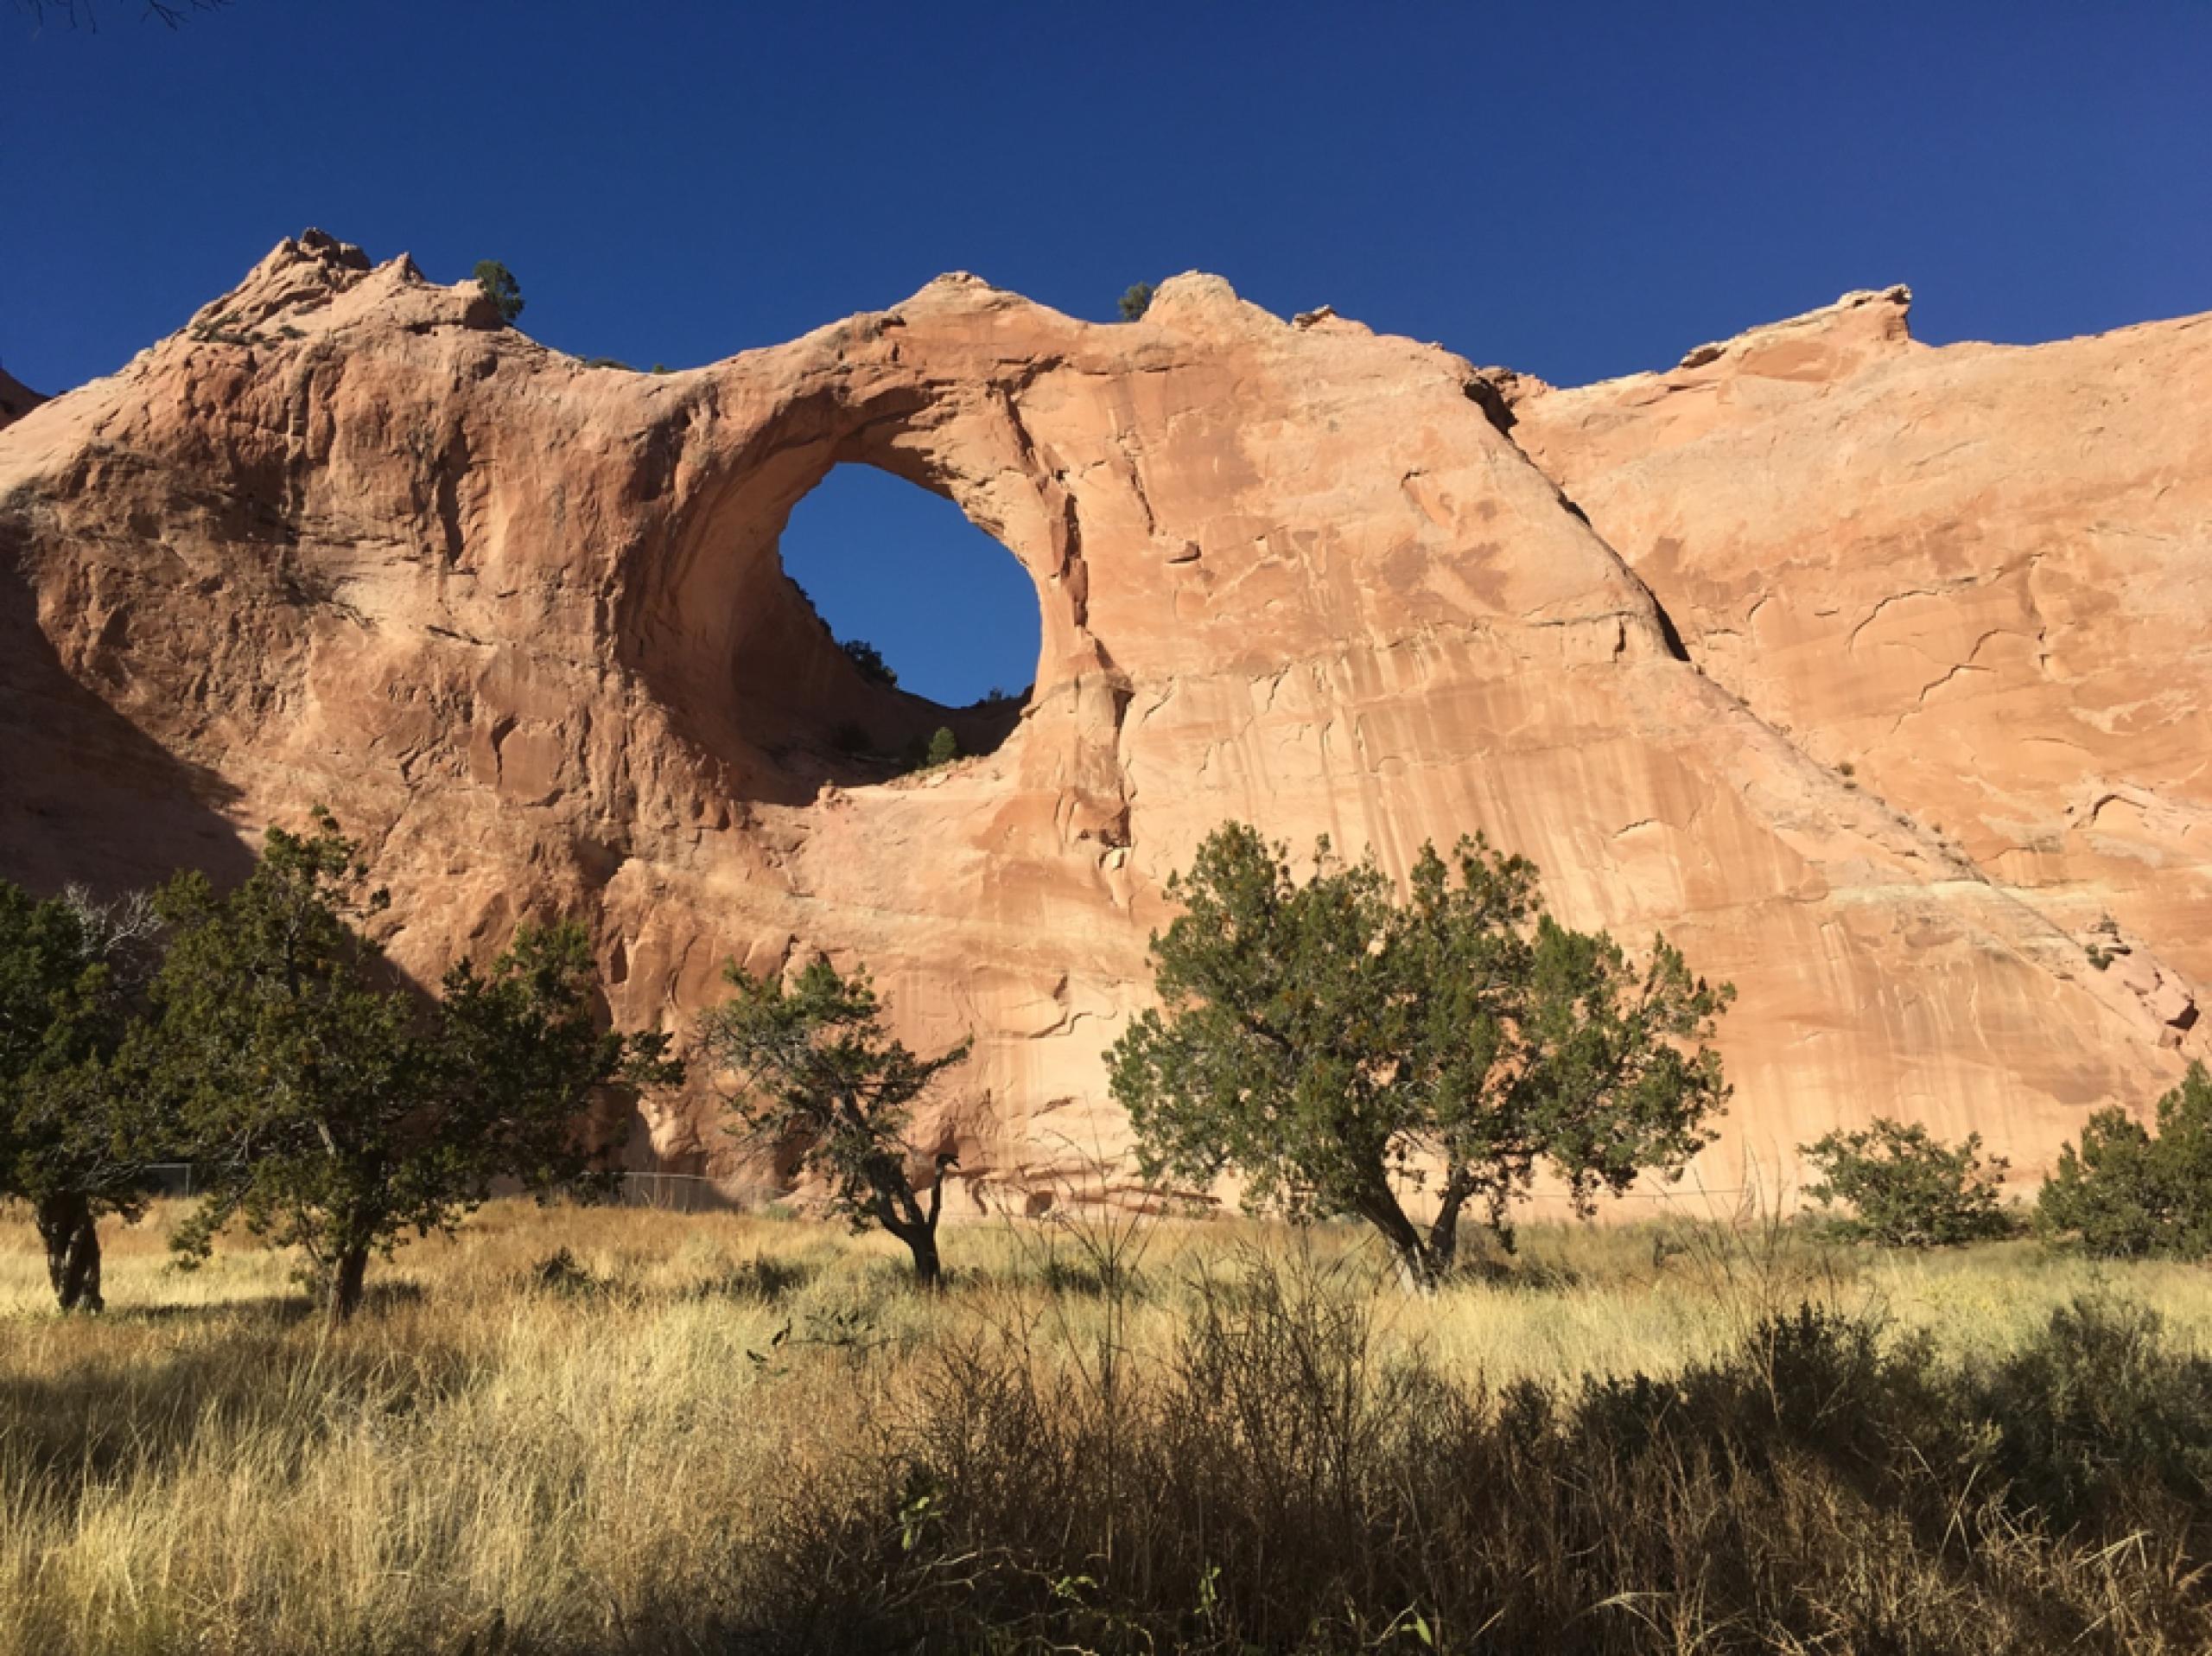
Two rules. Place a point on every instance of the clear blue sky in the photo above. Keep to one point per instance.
(1575, 190)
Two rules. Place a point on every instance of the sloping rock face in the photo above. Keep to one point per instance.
(1974, 579)
(521, 624)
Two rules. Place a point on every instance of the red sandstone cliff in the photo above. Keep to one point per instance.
(521, 624)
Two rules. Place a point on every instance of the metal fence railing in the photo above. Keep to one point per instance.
(680, 1192)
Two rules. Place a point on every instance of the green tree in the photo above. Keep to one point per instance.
(72, 1145)
(2126, 1192)
(1906, 1188)
(869, 659)
(1337, 1045)
(330, 1109)
(812, 1066)
(943, 748)
(1136, 299)
(497, 284)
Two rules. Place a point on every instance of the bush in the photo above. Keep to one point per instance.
(944, 748)
(870, 661)
(1906, 1188)
(2125, 1192)
(1136, 299)
(497, 284)
(1282, 1478)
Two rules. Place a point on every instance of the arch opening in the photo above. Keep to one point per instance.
(920, 598)
(807, 544)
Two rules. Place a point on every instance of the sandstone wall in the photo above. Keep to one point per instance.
(521, 623)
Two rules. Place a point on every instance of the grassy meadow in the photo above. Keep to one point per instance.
(626, 1430)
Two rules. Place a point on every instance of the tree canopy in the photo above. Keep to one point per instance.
(1906, 1188)
(498, 285)
(1339, 1046)
(70, 1142)
(2127, 1191)
(333, 1109)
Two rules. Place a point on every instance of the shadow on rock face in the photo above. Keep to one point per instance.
(85, 796)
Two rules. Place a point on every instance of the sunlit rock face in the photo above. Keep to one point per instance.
(521, 624)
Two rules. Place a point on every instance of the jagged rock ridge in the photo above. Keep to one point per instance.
(521, 622)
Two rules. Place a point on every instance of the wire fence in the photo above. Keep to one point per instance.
(676, 1193)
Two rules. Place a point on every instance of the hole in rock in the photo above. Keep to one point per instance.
(931, 613)
(735, 619)
(887, 564)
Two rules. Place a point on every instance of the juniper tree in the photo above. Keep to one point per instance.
(811, 1065)
(1337, 1045)
(2127, 1191)
(329, 1107)
(1906, 1188)
(72, 1143)
(497, 282)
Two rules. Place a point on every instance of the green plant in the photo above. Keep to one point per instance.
(1135, 300)
(334, 1111)
(497, 282)
(1335, 1044)
(72, 1143)
(869, 659)
(944, 748)
(1906, 1188)
(2127, 1192)
(812, 1066)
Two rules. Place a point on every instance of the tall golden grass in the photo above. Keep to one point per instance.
(612, 1430)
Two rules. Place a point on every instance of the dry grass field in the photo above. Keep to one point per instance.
(626, 1430)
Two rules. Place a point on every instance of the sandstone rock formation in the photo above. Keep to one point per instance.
(521, 623)
(1974, 579)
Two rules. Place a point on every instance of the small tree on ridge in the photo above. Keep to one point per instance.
(497, 284)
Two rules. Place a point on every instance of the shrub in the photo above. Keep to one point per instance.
(1906, 1188)
(944, 748)
(869, 659)
(2126, 1192)
(1136, 299)
(497, 284)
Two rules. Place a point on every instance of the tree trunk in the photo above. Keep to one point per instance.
(353, 1264)
(1417, 1266)
(71, 1233)
(929, 1273)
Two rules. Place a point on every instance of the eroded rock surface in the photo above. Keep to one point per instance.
(521, 623)
(1973, 580)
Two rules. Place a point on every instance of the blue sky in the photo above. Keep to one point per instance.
(1575, 190)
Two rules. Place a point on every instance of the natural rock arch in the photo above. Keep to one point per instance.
(519, 621)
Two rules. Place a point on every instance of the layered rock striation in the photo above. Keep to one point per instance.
(521, 622)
